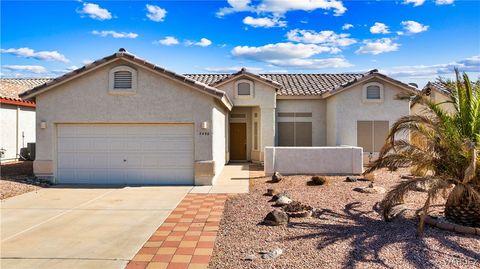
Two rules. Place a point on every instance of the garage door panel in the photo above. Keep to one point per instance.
(125, 154)
(66, 160)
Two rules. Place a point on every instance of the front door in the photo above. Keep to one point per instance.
(238, 141)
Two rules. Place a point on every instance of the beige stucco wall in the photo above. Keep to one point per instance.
(218, 133)
(17, 128)
(262, 102)
(348, 107)
(318, 110)
(437, 98)
(313, 160)
(87, 100)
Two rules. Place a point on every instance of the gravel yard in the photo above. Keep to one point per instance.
(348, 231)
(13, 177)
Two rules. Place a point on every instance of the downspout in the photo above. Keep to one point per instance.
(17, 132)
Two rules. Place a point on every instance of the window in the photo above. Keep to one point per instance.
(123, 80)
(371, 135)
(243, 89)
(294, 129)
(373, 92)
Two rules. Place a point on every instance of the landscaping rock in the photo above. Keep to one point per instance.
(250, 257)
(278, 195)
(272, 192)
(277, 177)
(422, 186)
(372, 188)
(397, 211)
(272, 254)
(351, 179)
(282, 201)
(276, 217)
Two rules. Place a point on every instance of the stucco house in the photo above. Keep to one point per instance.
(124, 120)
(439, 93)
(17, 117)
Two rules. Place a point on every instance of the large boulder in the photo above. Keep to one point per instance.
(276, 217)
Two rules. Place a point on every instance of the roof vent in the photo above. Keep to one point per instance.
(122, 50)
(413, 84)
(243, 69)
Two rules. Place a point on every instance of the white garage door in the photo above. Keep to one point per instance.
(125, 154)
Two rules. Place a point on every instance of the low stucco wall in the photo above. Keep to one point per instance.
(313, 160)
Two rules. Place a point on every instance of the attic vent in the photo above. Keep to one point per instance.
(122, 80)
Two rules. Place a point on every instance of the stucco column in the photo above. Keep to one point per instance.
(267, 127)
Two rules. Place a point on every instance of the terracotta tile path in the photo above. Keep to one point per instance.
(187, 237)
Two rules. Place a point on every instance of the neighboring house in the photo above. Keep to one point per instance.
(439, 93)
(123, 120)
(17, 117)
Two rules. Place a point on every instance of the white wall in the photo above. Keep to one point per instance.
(318, 110)
(313, 160)
(14, 137)
(218, 133)
(348, 108)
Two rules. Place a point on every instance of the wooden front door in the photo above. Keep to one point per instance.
(238, 141)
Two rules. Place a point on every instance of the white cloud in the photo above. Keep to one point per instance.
(281, 7)
(378, 46)
(203, 42)
(279, 51)
(328, 38)
(39, 55)
(167, 41)
(235, 6)
(87, 61)
(264, 22)
(347, 26)
(413, 27)
(291, 55)
(336, 62)
(94, 11)
(37, 69)
(415, 3)
(471, 64)
(444, 2)
(379, 28)
(156, 13)
(115, 34)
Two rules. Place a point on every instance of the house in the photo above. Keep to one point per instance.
(439, 93)
(17, 117)
(124, 120)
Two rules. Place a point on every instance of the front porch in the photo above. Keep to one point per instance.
(250, 130)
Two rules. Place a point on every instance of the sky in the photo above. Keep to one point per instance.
(410, 40)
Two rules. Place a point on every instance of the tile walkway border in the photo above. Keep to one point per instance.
(187, 237)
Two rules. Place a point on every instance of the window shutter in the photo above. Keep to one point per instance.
(243, 88)
(373, 92)
(122, 80)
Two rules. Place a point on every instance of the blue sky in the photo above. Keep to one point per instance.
(411, 40)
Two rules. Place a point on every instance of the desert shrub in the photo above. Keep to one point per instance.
(318, 180)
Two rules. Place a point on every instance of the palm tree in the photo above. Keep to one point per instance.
(445, 157)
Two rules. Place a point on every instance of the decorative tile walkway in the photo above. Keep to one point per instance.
(187, 237)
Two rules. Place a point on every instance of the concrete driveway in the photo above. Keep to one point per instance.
(82, 227)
